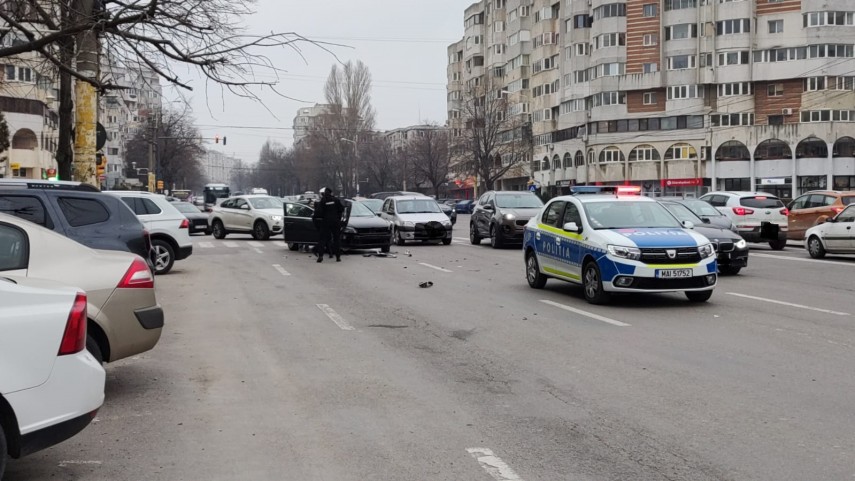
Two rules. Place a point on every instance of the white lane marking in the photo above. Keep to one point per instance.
(434, 267)
(799, 259)
(254, 244)
(789, 304)
(462, 239)
(230, 244)
(334, 317)
(258, 251)
(495, 467)
(281, 270)
(586, 313)
(205, 245)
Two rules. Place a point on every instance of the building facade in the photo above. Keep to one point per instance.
(677, 96)
(219, 167)
(306, 119)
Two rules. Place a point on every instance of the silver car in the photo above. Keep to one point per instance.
(416, 218)
(259, 215)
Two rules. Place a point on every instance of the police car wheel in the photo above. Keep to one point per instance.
(593, 285)
(474, 238)
(535, 278)
(699, 296)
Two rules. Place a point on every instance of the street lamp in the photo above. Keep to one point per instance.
(356, 166)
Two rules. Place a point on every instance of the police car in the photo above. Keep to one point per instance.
(616, 241)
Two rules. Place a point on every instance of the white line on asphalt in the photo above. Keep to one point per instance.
(280, 269)
(462, 239)
(586, 313)
(799, 259)
(334, 317)
(495, 467)
(258, 251)
(434, 267)
(254, 244)
(205, 245)
(230, 244)
(790, 304)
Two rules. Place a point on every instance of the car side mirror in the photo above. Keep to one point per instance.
(244, 207)
(705, 220)
(379, 214)
(688, 224)
(487, 207)
(572, 227)
(828, 219)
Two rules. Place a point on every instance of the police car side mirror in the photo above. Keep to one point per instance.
(705, 220)
(688, 225)
(572, 227)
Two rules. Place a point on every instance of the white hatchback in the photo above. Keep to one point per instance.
(50, 385)
(757, 216)
(834, 236)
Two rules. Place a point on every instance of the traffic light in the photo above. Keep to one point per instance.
(216, 139)
(100, 164)
(159, 185)
(224, 140)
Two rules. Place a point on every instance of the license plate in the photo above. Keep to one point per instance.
(673, 273)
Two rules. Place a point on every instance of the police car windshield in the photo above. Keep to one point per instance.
(518, 201)
(629, 215)
(682, 213)
(265, 202)
(420, 206)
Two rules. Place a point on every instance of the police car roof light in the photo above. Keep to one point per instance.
(615, 190)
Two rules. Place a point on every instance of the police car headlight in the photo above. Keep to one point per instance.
(741, 244)
(276, 218)
(631, 253)
(706, 250)
(509, 217)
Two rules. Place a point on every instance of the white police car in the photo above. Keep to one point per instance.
(617, 244)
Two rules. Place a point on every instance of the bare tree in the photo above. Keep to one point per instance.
(429, 156)
(178, 151)
(4, 137)
(495, 140)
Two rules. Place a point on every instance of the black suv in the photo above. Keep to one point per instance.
(78, 211)
(502, 216)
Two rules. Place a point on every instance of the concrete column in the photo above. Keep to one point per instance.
(795, 177)
(829, 168)
(751, 174)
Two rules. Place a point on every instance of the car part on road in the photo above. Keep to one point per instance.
(496, 239)
(293, 246)
(425, 285)
(164, 256)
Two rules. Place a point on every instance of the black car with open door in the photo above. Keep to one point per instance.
(362, 228)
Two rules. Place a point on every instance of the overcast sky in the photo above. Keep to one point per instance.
(403, 42)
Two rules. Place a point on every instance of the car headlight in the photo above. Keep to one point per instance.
(706, 251)
(276, 218)
(509, 217)
(349, 230)
(407, 223)
(631, 253)
(741, 244)
(446, 223)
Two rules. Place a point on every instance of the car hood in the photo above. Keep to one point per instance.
(367, 222)
(270, 211)
(718, 221)
(656, 237)
(523, 214)
(716, 233)
(432, 216)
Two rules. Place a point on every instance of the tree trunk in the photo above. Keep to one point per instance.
(64, 151)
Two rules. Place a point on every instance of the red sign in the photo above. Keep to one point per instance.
(682, 182)
(51, 172)
(102, 178)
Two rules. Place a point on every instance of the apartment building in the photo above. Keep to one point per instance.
(676, 96)
(400, 138)
(306, 119)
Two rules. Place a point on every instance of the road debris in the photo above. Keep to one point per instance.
(425, 285)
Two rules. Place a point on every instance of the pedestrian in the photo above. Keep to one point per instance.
(328, 213)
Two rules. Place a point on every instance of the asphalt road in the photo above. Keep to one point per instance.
(475, 378)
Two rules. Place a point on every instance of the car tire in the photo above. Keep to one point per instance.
(385, 249)
(94, 349)
(729, 270)
(535, 278)
(399, 241)
(260, 231)
(496, 241)
(3, 449)
(592, 283)
(474, 238)
(699, 296)
(815, 247)
(218, 230)
(164, 256)
(778, 245)
(446, 241)
(293, 246)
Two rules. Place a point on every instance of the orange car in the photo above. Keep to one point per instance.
(813, 208)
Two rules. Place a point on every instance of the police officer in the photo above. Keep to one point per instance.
(328, 213)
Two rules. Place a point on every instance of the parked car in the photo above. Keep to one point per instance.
(464, 206)
(730, 248)
(501, 216)
(386, 195)
(50, 386)
(169, 228)
(416, 218)
(449, 212)
(78, 211)
(259, 215)
(124, 316)
(814, 208)
(704, 210)
(834, 236)
(198, 219)
(363, 229)
(758, 216)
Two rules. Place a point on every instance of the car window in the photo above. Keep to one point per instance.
(26, 207)
(134, 205)
(80, 212)
(265, 203)
(848, 215)
(238, 203)
(800, 202)
(700, 207)
(483, 199)
(519, 201)
(297, 210)
(150, 207)
(828, 200)
(682, 213)
(761, 202)
(186, 208)
(571, 214)
(714, 200)
(554, 213)
(849, 199)
(14, 248)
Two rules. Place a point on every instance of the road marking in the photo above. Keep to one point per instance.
(495, 467)
(230, 244)
(434, 267)
(799, 259)
(281, 270)
(586, 313)
(462, 239)
(254, 244)
(205, 245)
(258, 251)
(789, 304)
(334, 317)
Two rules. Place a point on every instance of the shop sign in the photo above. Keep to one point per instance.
(682, 182)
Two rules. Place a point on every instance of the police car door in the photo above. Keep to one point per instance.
(571, 253)
(549, 239)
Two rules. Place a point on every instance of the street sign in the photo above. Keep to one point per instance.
(532, 188)
(682, 182)
(15, 166)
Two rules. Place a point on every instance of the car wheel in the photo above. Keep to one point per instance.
(778, 244)
(593, 284)
(474, 238)
(94, 349)
(164, 256)
(3, 450)
(699, 296)
(385, 249)
(536, 279)
(815, 248)
(260, 231)
(218, 230)
(729, 270)
(398, 239)
(496, 241)
(446, 241)
(293, 246)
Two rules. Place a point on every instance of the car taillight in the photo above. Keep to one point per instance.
(742, 211)
(185, 224)
(837, 210)
(74, 338)
(137, 277)
(785, 211)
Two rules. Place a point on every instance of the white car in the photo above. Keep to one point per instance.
(757, 216)
(835, 236)
(416, 218)
(169, 228)
(259, 215)
(50, 386)
(617, 244)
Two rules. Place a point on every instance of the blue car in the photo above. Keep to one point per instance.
(464, 206)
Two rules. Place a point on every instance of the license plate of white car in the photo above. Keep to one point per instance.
(673, 273)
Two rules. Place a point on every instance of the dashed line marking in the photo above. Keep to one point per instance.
(493, 465)
(281, 270)
(800, 259)
(586, 313)
(441, 269)
(205, 245)
(334, 317)
(258, 251)
(231, 245)
(789, 304)
(462, 239)
(254, 244)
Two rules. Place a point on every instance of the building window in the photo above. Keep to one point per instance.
(649, 98)
(681, 62)
(684, 30)
(733, 58)
(731, 120)
(650, 67)
(776, 120)
(650, 10)
(737, 88)
(583, 49)
(685, 92)
(775, 90)
(650, 39)
(582, 21)
(733, 26)
(776, 26)
(611, 10)
(819, 19)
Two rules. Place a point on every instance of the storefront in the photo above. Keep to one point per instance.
(681, 187)
(780, 187)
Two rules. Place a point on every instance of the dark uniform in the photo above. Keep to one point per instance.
(328, 213)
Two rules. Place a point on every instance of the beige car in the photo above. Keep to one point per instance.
(124, 316)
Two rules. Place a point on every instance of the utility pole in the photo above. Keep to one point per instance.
(86, 99)
(152, 143)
